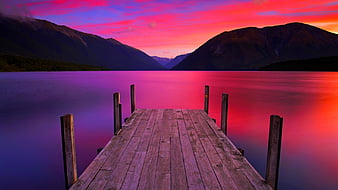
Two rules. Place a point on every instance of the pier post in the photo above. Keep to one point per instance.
(120, 115)
(68, 149)
(206, 98)
(274, 148)
(117, 112)
(132, 98)
(224, 113)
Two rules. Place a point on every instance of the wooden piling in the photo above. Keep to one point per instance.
(206, 98)
(117, 114)
(132, 98)
(120, 115)
(68, 149)
(224, 114)
(274, 148)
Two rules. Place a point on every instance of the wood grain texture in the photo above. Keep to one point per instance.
(274, 148)
(224, 113)
(68, 149)
(170, 149)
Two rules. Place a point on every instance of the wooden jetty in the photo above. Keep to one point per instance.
(170, 149)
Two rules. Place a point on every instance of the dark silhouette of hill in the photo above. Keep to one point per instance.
(161, 60)
(169, 63)
(41, 39)
(173, 62)
(316, 64)
(252, 48)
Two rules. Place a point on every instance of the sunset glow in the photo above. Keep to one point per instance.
(171, 27)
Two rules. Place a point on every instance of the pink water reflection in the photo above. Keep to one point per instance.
(308, 101)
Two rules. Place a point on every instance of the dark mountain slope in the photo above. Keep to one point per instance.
(252, 48)
(173, 62)
(45, 40)
(161, 60)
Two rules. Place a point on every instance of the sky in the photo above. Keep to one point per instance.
(168, 28)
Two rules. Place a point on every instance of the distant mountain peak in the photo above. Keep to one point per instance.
(251, 48)
(45, 40)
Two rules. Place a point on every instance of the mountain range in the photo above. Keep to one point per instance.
(253, 48)
(34, 38)
(170, 62)
(249, 48)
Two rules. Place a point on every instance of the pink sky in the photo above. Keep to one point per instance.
(168, 28)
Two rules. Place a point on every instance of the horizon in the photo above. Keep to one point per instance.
(169, 28)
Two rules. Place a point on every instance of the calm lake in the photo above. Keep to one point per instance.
(31, 104)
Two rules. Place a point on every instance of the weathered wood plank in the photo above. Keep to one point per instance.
(224, 153)
(147, 179)
(240, 162)
(193, 176)
(109, 156)
(134, 171)
(199, 131)
(162, 177)
(143, 124)
(148, 131)
(121, 141)
(178, 176)
(170, 149)
(112, 146)
(100, 180)
(208, 176)
(219, 167)
(119, 172)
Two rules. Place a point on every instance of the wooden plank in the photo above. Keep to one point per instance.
(178, 175)
(119, 172)
(91, 171)
(237, 159)
(193, 176)
(234, 173)
(143, 123)
(221, 171)
(122, 141)
(134, 172)
(208, 176)
(162, 173)
(170, 149)
(100, 180)
(219, 167)
(147, 179)
(191, 114)
(148, 131)
(169, 114)
(274, 148)
(68, 149)
(107, 157)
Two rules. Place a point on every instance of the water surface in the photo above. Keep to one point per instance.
(31, 104)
